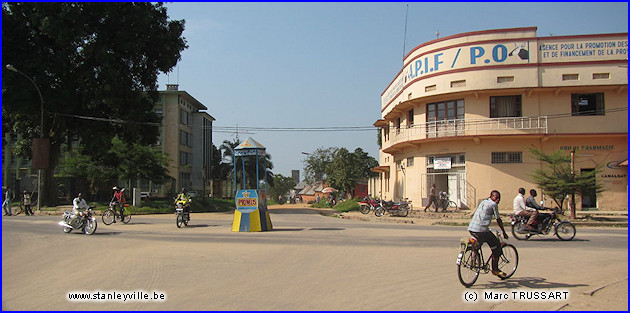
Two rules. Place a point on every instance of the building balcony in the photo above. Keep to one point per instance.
(466, 128)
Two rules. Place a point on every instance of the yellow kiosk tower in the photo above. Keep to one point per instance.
(251, 204)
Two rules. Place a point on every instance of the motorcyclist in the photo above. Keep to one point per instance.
(531, 204)
(521, 209)
(119, 201)
(78, 204)
(185, 200)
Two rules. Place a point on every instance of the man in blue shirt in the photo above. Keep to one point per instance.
(478, 227)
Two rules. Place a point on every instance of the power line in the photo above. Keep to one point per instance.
(252, 129)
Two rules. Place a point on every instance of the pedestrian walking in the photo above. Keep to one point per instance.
(6, 203)
(432, 199)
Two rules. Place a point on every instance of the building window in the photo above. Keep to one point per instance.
(601, 75)
(458, 83)
(410, 162)
(397, 125)
(185, 138)
(456, 160)
(570, 76)
(442, 111)
(430, 88)
(507, 157)
(185, 117)
(587, 104)
(505, 106)
(185, 158)
(410, 118)
(505, 79)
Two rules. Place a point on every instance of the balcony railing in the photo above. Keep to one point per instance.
(469, 127)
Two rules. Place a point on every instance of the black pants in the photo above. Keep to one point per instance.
(28, 210)
(491, 239)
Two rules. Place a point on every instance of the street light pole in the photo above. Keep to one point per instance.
(41, 130)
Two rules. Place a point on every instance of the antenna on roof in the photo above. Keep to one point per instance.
(437, 34)
(405, 36)
(178, 74)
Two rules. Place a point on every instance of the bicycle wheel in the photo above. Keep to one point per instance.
(469, 267)
(108, 216)
(365, 209)
(452, 204)
(508, 262)
(127, 216)
(565, 230)
(515, 228)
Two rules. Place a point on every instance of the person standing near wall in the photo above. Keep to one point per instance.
(26, 201)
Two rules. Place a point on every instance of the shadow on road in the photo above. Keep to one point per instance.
(292, 211)
(288, 229)
(326, 228)
(200, 225)
(530, 282)
(555, 239)
(101, 233)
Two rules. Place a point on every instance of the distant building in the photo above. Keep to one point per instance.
(295, 174)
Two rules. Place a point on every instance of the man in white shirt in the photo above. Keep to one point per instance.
(522, 210)
(77, 204)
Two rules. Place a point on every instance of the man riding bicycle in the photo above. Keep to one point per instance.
(478, 227)
(119, 201)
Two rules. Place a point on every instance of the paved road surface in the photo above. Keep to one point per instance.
(309, 262)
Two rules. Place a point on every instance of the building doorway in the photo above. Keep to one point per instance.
(452, 182)
(589, 200)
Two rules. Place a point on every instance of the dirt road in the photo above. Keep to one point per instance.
(308, 262)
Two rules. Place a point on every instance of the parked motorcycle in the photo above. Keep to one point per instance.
(401, 208)
(85, 221)
(182, 214)
(368, 204)
(564, 230)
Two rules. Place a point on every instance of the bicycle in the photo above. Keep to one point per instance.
(469, 260)
(111, 214)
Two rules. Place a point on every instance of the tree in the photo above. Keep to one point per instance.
(559, 180)
(135, 161)
(281, 187)
(346, 168)
(316, 164)
(125, 161)
(96, 65)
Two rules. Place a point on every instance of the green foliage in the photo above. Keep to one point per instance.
(347, 206)
(340, 168)
(133, 161)
(281, 187)
(556, 179)
(317, 163)
(95, 59)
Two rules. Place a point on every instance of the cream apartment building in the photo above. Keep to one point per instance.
(464, 109)
(186, 137)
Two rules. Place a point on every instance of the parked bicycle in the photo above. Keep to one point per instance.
(470, 261)
(111, 214)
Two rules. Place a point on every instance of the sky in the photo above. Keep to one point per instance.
(318, 69)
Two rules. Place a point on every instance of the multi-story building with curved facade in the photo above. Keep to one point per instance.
(464, 109)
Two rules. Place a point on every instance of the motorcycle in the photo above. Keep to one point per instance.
(564, 230)
(85, 221)
(182, 214)
(401, 208)
(368, 204)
